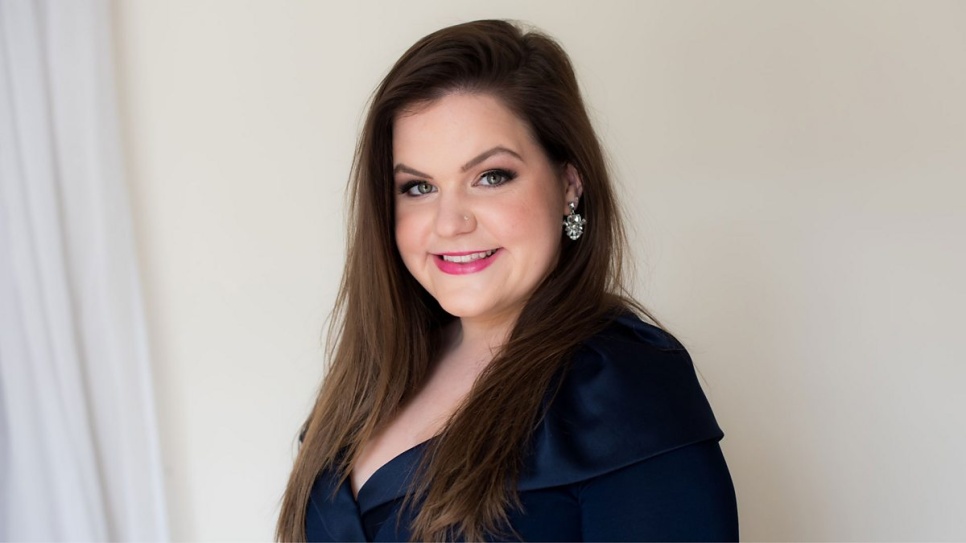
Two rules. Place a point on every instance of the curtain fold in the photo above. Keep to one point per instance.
(79, 451)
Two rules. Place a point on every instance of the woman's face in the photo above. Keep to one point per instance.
(478, 205)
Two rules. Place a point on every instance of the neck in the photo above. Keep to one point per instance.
(476, 341)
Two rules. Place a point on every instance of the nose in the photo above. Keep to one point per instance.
(454, 216)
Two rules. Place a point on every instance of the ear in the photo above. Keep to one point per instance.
(573, 186)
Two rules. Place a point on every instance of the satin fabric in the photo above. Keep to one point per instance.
(628, 450)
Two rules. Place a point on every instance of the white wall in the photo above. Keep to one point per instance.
(794, 172)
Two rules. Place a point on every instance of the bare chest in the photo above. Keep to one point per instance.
(423, 417)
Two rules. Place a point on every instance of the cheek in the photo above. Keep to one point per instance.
(529, 224)
(408, 234)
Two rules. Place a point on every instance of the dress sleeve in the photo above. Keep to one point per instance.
(630, 394)
(682, 495)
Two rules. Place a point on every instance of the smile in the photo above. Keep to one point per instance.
(458, 264)
(463, 259)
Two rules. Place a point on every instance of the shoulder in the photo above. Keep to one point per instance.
(627, 344)
(629, 393)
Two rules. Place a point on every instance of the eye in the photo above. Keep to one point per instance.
(494, 178)
(417, 188)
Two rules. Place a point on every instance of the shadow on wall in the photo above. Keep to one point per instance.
(803, 327)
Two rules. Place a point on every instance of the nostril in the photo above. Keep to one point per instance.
(454, 221)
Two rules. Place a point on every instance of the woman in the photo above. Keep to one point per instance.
(489, 379)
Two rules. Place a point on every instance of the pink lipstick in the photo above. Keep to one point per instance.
(465, 262)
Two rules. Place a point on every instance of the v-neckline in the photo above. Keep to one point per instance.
(389, 479)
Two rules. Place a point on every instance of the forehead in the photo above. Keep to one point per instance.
(458, 126)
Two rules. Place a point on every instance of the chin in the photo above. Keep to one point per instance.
(460, 310)
(464, 308)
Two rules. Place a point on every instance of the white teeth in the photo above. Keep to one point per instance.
(463, 259)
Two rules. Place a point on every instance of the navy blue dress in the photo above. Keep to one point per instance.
(628, 451)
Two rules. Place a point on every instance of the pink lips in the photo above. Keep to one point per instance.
(473, 264)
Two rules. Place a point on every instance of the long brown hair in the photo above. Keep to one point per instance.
(387, 327)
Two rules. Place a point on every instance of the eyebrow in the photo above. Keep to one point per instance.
(499, 149)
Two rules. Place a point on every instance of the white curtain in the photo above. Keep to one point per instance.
(79, 451)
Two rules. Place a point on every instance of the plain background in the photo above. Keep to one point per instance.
(793, 174)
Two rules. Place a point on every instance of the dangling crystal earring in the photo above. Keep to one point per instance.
(574, 224)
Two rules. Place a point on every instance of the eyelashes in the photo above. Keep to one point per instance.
(416, 188)
(490, 178)
(501, 176)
